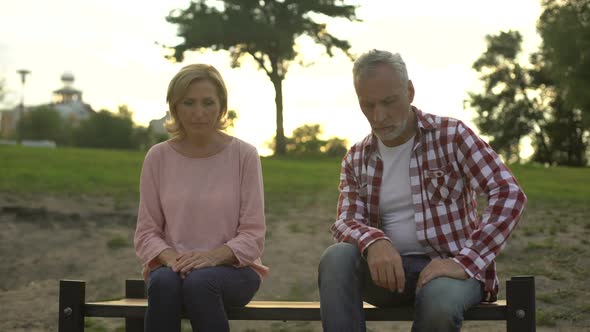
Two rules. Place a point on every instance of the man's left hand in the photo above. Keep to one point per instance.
(441, 268)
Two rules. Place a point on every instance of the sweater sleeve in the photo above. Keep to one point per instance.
(149, 233)
(248, 244)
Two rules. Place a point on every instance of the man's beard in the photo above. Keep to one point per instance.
(397, 132)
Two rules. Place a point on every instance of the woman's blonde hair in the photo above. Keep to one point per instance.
(178, 88)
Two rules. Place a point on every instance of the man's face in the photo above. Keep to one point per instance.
(385, 102)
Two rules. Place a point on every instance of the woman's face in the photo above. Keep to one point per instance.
(199, 109)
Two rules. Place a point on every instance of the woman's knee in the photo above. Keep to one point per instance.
(202, 281)
(164, 280)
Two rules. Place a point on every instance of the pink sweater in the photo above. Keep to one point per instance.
(201, 204)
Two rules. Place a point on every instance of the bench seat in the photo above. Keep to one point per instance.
(518, 310)
(287, 311)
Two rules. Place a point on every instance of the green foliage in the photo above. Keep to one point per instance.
(564, 27)
(505, 110)
(2, 89)
(306, 142)
(101, 130)
(44, 123)
(265, 30)
(519, 101)
(105, 130)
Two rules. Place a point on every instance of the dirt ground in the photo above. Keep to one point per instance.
(45, 239)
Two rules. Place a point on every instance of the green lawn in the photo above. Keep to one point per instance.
(290, 181)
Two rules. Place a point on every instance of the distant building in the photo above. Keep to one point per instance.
(157, 126)
(67, 101)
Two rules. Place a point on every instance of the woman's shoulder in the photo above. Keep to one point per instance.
(244, 148)
(157, 151)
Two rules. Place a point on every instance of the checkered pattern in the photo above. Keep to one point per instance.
(450, 166)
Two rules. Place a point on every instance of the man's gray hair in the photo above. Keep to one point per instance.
(366, 64)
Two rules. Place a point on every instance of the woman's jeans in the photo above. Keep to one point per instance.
(204, 294)
(345, 282)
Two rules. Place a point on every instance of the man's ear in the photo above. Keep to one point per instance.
(411, 91)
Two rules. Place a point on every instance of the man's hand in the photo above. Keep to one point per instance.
(385, 265)
(441, 268)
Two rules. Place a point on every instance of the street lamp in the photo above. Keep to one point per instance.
(23, 77)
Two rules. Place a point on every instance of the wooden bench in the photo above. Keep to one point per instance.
(518, 310)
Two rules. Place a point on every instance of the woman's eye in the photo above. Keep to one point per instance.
(209, 102)
(187, 103)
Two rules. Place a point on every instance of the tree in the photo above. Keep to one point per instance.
(44, 123)
(506, 111)
(305, 140)
(2, 90)
(564, 27)
(107, 130)
(335, 147)
(265, 30)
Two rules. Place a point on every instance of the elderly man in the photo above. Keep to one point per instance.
(408, 231)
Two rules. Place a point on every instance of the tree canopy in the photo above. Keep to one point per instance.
(265, 30)
(546, 99)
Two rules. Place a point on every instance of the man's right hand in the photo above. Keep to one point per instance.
(385, 265)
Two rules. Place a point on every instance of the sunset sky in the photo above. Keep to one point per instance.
(110, 47)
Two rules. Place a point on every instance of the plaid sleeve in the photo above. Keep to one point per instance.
(352, 223)
(487, 174)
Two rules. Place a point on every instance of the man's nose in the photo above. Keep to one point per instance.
(379, 114)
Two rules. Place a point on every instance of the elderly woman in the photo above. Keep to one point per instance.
(200, 226)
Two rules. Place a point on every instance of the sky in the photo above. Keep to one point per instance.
(114, 50)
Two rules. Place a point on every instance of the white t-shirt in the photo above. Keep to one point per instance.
(395, 198)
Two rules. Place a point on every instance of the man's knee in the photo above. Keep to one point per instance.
(340, 258)
(440, 304)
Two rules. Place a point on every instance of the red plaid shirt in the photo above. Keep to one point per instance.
(449, 166)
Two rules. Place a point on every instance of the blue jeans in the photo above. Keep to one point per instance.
(204, 294)
(345, 282)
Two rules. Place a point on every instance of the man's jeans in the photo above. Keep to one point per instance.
(204, 293)
(345, 282)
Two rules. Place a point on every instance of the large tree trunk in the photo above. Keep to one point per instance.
(280, 134)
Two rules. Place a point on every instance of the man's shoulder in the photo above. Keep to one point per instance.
(438, 121)
(361, 145)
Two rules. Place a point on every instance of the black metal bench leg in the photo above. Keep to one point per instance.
(134, 289)
(72, 295)
(520, 301)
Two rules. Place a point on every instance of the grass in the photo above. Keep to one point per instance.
(118, 242)
(287, 182)
(69, 171)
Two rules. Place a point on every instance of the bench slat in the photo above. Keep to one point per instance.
(288, 311)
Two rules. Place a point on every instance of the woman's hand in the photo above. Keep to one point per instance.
(168, 257)
(195, 260)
